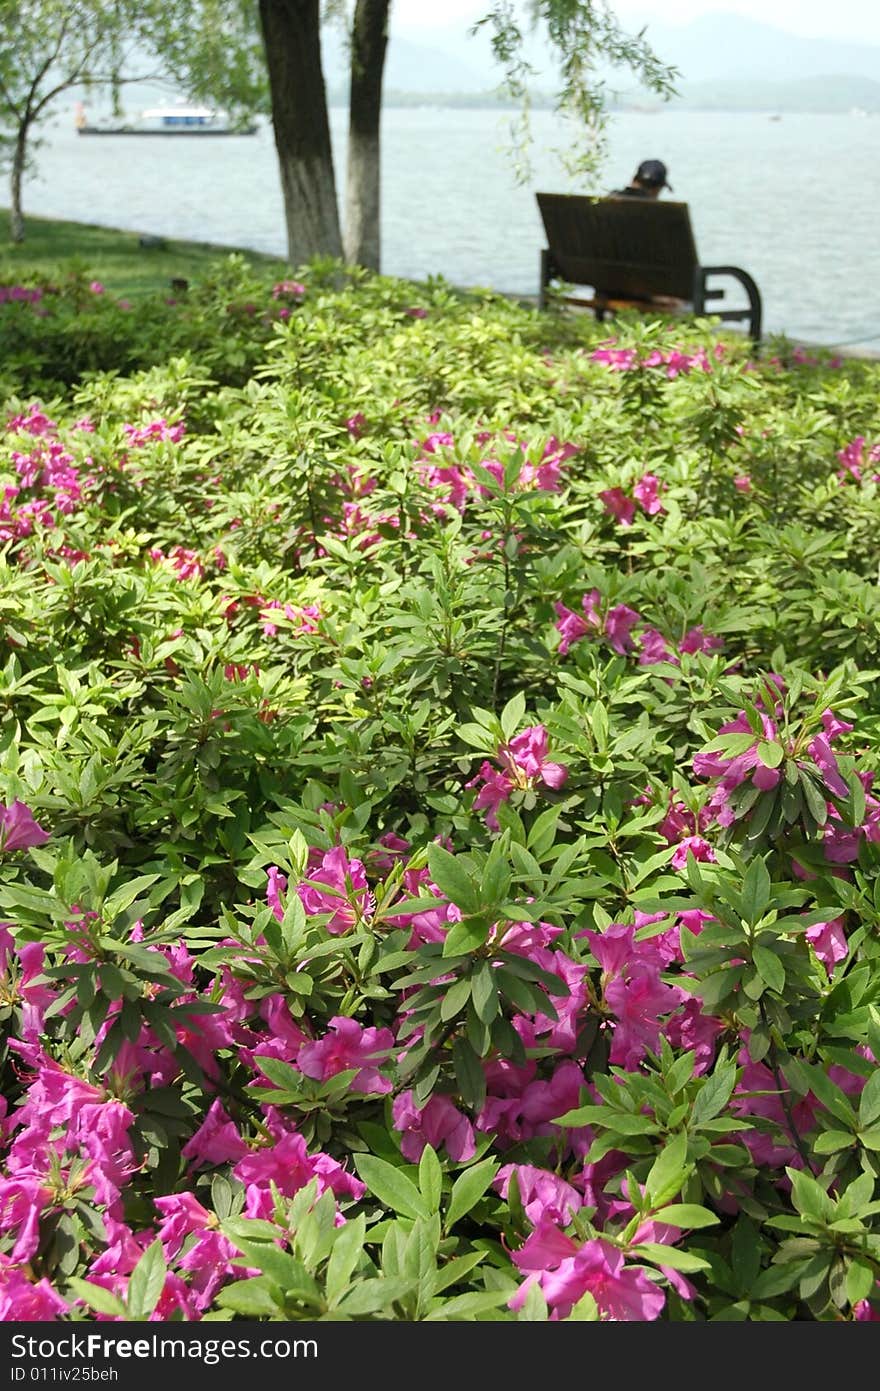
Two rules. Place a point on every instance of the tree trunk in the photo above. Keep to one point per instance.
(369, 39)
(292, 39)
(16, 217)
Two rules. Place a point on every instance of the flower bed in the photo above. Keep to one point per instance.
(440, 847)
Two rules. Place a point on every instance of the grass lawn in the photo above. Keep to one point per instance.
(112, 256)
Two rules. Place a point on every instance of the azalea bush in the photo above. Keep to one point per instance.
(439, 828)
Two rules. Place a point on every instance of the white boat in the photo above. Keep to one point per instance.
(164, 120)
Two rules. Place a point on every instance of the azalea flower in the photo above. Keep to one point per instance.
(524, 764)
(566, 1272)
(18, 829)
(438, 1122)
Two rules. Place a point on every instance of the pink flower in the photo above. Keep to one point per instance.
(347, 1045)
(696, 640)
(286, 288)
(638, 999)
(216, 1141)
(618, 622)
(18, 829)
(742, 483)
(654, 648)
(289, 1167)
(189, 1236)
(618, 505)
(96, 287)
(545, 1196)
(338, 887)
(277, 886)
(647, 494)
(355, 424)
(829, 942)
(524, 764)
(570, 626)
(26, 1301)
(696, 846)
(415, 312)
(566, 1272)
(21, 969)
(436, 1123)
(825, 761)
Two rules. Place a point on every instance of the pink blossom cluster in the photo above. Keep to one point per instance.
(22, 294)
(186, 564)
(524, 765)
(456, 482)
(682, 828)
(855, 457)
(47, 471)
(676, 361)
(622, 506)
(729, 771)
(802, 358)
(336, 886)
(616, 625)
(288, 289)
(161, 431)
(71, 1140)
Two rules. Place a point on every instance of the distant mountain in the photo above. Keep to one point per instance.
(728, 46)
(410, 67)
(807, 94)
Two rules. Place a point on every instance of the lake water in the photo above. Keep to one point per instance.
(795, 201)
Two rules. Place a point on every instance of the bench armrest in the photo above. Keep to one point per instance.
(702, 294)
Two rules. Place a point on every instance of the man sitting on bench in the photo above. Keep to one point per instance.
(647, 181)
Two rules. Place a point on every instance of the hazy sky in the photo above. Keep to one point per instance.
(845, 19)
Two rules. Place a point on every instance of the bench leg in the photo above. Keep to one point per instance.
(544, 279)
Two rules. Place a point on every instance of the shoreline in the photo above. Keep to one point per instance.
(166, 252)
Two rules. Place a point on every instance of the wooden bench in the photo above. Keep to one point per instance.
(629, 251)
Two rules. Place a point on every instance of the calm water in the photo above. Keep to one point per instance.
(794, 201)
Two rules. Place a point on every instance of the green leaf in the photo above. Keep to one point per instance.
(469, 1074)
(348, 1245)
(860, 1280)
(452, 879)
(769, 968)
(830, 1141)
(714, 1094)
(484, 992)
(680, 1073)
(284, 1270)
(755, 891)
(669, 1255)
(668, 1172)
(146, 1282)
(456, 998)
(770, 754)
(466, 936)
(512, 715)
(687, 1215)
(869, 1102)
(468, 1189)
(374, 1296)
(468, 1306)
(103, 1301)
(253, 1298)
(390, 1186)
(430, 1178)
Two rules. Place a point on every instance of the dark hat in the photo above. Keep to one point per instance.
(653, 172)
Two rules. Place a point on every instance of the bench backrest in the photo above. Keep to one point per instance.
(625, 246)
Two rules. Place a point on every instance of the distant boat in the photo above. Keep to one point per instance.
(164, 120)
(774, 118)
